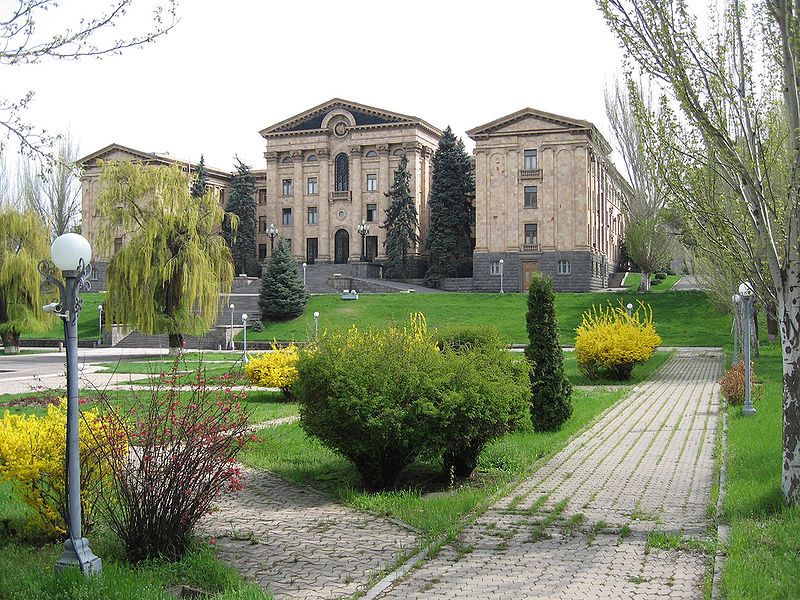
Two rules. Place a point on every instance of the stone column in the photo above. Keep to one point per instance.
(298, 207)
(325, 206)
(513, 203)
(357, 207)
(482, 216)
(273, 208)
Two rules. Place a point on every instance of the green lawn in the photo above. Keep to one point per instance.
(88, 322)
(640, 372)
(681, 318)
(287, 451)
(633, 280)
(764, 552)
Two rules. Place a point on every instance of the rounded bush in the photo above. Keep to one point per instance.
(734, 386)
(277, 368)
(469, 337)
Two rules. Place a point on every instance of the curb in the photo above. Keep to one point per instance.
(723, 529)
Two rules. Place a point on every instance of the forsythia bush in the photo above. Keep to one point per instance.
(32, 457)
(611, 342)
(277, 368)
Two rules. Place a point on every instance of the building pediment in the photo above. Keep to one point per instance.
(528, 120)
(351, 114)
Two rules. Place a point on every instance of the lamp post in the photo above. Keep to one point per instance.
(316, 325)
(501, 276)
(232, 306)
(272, 231)
(71, 254)
(99, 324)
(245, 360)
(630, 309)
(304, 274)
(363, 229)
(746, 294)
(736, 301)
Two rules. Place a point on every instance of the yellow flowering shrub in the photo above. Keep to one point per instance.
(32, 457)
(611, 342)
(276, 368)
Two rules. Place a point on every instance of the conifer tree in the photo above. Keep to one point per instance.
(401, 223)
(551, 391)
(452, 186)
(242, 204)
(200, 180)
(283, 295)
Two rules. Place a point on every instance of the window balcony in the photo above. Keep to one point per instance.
(530, 247)
(530, 174)
(346, 195)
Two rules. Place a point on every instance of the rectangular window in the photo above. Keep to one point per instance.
(473, 215)
(262, 252)
(531, 234)
(531, 160)
(531, 196)
(564, 268)
(286, 216)
(262, 224)
(494, 268)
(287, 188)
(262, 196)
(313, 186)
(117, 244)
(372, 213)
(313, 215)
(221, 196)
(372, 182)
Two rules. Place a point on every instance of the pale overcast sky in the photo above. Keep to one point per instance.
(231, 68)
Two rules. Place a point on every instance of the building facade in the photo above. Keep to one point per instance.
(547, 199)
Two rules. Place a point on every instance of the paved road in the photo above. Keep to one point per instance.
(579, 527)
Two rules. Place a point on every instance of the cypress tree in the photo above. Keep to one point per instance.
(200, 180)
(283, 295)
(242, 203)
(551, 391)
(452, 186)
(401, 221)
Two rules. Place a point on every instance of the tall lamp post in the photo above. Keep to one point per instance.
(245, 360)
(304, 274)
(99, 324)
(629, 307)
(71, 254)
(232, 306)
(363, 229)
(272, 231)
(746, 294)
(737, 299)
(501, 276)
(316, 325)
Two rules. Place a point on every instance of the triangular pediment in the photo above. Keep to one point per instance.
(313, 118)
(115, 152)
(528, 120)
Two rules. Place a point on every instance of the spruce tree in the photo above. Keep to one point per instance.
(401, 221)
(551, 391)
(452, 185)
(283, 295)
(242, 204)
(200, 180)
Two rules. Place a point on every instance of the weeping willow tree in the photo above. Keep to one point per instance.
(24, 241)
(169, 274)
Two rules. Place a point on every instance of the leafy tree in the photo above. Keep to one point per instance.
(200, 180)
(24, 241)
(283, 295)
(725, 82)
(452, 185)
(649, 246)
(169, 274)
(401, 223)
(551, 391)
(33, 31)
(242, 205)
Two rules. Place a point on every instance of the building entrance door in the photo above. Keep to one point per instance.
(312, 250)
(341, 243)
(372, 247)
(529, 267)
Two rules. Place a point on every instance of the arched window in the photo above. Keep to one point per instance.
(399, 152)
(312, 158)
(371, 154)
(342, 173)
(287, 160)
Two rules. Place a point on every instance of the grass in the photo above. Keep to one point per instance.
(640, 373)
(633, 280)
(423, 498)
(764, 550)
(88, 326)
(681, 318)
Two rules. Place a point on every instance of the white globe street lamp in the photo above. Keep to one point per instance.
(304, 274)
(630, 309)
(71, 254)
(245, 360)
(746, 294)
(232, 306)
(316, 325)
(501, 276)
(99, 324)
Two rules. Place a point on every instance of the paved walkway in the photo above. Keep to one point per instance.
(579, 527)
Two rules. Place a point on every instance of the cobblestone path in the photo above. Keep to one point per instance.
(300, 544)
(578, 528)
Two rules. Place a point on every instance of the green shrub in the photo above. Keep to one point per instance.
(551, 391)
(283, 295)
(469, 336)
(661, 276)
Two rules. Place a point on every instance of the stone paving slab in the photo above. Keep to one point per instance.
(578, 527)
(299, 543)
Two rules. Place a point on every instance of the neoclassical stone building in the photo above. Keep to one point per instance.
(547, 197)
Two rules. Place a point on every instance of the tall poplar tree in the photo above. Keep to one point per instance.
(168, 275)
(401, 223)
(242, 204)
(200, 180)
(452, 186)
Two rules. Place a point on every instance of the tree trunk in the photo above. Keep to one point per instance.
(175, 344)
(756, 337)
(772, 324)
(789, 310)
(11, 341)
(644, 284)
